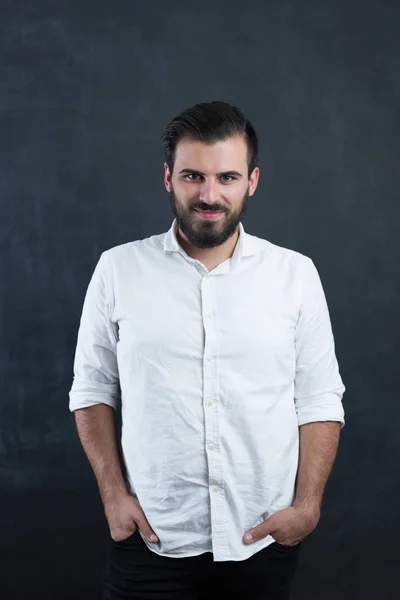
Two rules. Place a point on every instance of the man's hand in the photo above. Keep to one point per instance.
(124, 515)
(288, 527)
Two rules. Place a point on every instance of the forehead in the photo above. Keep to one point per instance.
(225, 155)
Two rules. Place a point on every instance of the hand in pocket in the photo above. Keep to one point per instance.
(125, 515)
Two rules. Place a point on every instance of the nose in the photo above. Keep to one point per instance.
(208, 192)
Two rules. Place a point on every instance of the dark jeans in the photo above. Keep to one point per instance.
(135, 572)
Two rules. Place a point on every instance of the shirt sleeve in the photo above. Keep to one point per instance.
(318, 389)
(96, 379)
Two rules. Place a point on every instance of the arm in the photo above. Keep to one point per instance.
(318, 448)
(96, 429)
(93, 398)
(318, 391)
(318, 396)
(95, 389)
(97, 433)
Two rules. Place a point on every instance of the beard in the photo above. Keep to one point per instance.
(203, 233)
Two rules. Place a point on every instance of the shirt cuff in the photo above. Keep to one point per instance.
(322, 408)
(85, 393)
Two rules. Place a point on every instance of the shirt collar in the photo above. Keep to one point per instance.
(245, 246)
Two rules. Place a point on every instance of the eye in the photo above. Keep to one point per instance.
(195, 176)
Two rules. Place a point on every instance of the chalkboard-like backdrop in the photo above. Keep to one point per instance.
(85, 90)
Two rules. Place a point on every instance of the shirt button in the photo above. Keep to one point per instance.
(210, 403)
(216, 489)
(209, 315)
(209, 357)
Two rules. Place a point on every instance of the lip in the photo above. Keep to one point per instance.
(210, 215)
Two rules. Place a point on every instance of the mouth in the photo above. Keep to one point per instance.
(209, 215)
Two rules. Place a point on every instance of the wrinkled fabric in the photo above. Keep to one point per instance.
(214, 372)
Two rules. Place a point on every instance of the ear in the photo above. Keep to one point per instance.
(167, 177)
(253, 181)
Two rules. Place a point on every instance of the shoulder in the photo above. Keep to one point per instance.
(133, 250)
(280, 255)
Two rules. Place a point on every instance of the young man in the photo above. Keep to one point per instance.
(220, 347)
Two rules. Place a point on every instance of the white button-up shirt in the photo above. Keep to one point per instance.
(215, 371)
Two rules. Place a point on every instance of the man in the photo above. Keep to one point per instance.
(219, 345)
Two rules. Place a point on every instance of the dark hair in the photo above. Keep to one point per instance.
(210, 122)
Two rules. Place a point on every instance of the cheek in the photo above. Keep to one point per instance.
(238, 198)
(187, 194)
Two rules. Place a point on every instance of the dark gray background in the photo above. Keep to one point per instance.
(86, 89)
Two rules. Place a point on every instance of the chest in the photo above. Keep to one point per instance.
(244, 320)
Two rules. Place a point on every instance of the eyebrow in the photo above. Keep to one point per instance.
(229, 173)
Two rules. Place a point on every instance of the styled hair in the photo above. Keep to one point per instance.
(210, 122)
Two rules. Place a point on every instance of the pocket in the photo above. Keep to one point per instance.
(129, 538)
(285, 548)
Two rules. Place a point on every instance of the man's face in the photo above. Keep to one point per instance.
(209, 189)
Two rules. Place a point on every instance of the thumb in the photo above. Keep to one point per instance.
(141, 521)
(147, 530)
(258, 533)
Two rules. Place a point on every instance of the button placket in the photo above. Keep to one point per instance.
(210, 374)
